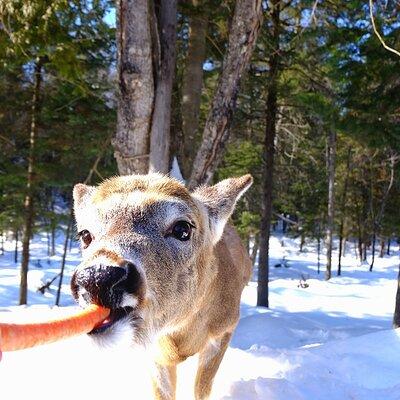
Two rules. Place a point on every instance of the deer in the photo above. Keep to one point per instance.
(168, 265)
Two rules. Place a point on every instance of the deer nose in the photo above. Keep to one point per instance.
(104, 284)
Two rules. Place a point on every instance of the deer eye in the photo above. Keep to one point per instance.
(86, 238)
(182, 230)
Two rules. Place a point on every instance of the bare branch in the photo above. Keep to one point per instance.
(377, 33)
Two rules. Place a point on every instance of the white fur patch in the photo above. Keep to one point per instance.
(121, 333)
(129, 301)
(219, 226)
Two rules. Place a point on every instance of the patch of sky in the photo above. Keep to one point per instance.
(110, 17)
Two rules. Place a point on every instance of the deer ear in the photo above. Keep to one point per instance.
(81, 193)
(220, 200)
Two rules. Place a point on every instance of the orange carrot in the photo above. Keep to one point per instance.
(22, 336)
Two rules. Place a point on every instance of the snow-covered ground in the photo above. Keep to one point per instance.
(329, 340)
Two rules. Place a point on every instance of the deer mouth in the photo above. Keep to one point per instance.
(116, 315)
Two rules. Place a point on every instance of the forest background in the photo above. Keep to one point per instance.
(301, 94)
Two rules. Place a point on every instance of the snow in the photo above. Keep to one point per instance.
(329, 340)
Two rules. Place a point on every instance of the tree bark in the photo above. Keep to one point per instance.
(244, 31)
(269, 152)
(136, 87)
(331, 201)
(29, 197)
(164, 68)
(192, 84)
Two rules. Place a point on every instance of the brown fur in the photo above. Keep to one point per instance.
(194, 306)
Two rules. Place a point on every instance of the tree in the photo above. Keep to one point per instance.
(54, 48)
(396, 316)
(29, 211)
(164, 67)
(331, 161)
(243, 34)
(143, 118)
(269, 153)
(136, 87)
(192, 84)
(146, 63)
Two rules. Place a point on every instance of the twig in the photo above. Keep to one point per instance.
(288, 220)
(314, 8)
(377, 33)
(212, 41)
(7, 140)
(43, 288)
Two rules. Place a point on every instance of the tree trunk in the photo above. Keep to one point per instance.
(64, 257)
(396, 316)
(28, 205)
(16, 247)
(48, 244)
(377, 221)
(192, 84)
(254, 250)
(302, 242)
(331, 204)
(364, 249)
(269, 152)
(343, 208)
(53, 240)
(136, 87)
(388, 246)
(243, 34)
(164, 68)
(382, 251)
(53, 228)
(339, 270)
(319, 249)
(373, 249)
(360, 233)
(357, 249)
